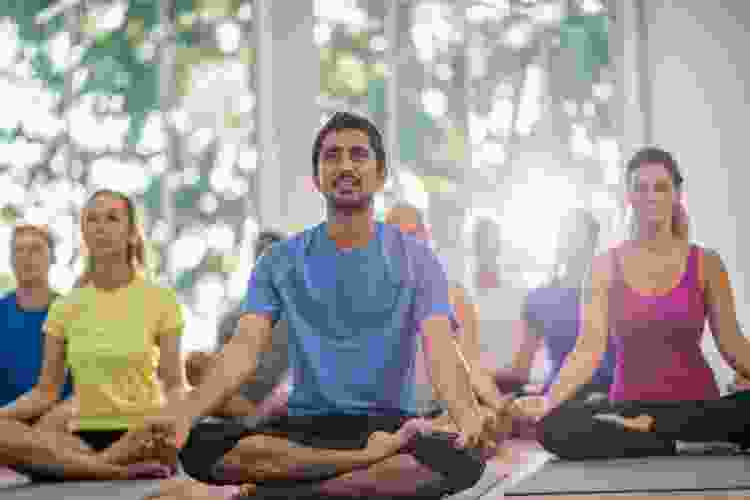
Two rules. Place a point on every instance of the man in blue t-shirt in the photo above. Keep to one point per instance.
(355, 295)
(22, 313)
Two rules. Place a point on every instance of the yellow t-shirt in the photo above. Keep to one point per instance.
(112, 349)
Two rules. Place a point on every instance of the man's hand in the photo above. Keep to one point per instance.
(382, 445)
(532, 407)
(740, 383)
(171, 427)
(478, 432)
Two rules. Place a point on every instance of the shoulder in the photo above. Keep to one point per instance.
(8, 299)
(711, 266)
(284, 251)
(64, 307)
(603, 264)
(156, 292)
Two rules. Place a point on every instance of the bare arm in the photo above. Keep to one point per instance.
(171, 367)
(469, 318)
(449, 376)
(582, 361)
(235, 365)
(527, 344)
(43, 396)
(722, 316)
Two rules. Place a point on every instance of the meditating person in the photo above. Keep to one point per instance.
(22, 314)
(268, 391)
(116, 331)
(653, 293)
(354, 293)
(550, 317)
(411, 221)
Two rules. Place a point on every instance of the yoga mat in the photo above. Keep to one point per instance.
(104, 490)
(137, 490)
(10, 478)
(646, 475)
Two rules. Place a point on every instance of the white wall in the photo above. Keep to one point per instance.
(699, 69)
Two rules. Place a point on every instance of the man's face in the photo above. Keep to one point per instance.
(348, 173)
(31, 256)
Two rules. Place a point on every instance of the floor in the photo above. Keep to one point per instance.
(518, 460)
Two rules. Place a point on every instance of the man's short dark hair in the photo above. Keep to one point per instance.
(343, 120)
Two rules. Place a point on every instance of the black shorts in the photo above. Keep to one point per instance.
(100, 440)
(209, 441)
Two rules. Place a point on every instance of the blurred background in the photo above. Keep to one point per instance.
(499, 115)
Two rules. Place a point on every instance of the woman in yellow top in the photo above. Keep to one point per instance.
(120, 335)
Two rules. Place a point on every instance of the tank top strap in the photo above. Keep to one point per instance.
(618, 273)
(695, 267)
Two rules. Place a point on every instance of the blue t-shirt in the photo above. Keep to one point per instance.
(22, 353)
(353, 317)
(554, 314)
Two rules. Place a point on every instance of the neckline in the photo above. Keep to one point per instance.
(42, 309)
(678, 283)
(351, 250)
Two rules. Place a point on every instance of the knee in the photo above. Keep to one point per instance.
(197, 365)
(562, 433)
(252, 455)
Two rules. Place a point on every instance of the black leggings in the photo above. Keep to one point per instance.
(455, 470)
(571, 432)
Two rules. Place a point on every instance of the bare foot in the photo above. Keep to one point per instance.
(190, 489)
(137, 445)
(165, 449)
(642, 423)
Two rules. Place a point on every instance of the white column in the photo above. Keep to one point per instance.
(627, 46)
(288, 83)
(700, 70)
(628, 50)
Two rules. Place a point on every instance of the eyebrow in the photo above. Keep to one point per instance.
(337, 148)
(111, 210)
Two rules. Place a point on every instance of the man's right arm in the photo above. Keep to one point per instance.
(235, 364)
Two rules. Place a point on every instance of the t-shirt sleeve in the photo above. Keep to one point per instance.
(431, 286)
(262, 296)
(172, 319)
(529, 315)
(60, 313)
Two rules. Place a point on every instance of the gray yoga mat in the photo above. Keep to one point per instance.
(646, 475)
(137, 490)
(104, 490)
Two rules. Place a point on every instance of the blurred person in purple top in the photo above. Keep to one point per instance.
(652, 295)
(355, 294)
(550, 316)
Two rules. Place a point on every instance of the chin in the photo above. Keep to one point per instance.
(361, 202)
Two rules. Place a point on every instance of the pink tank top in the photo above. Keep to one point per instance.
(657, 339)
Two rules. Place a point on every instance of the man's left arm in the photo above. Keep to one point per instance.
(449, 374)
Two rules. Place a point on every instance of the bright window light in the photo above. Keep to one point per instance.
(229, 36)
(434, 102)
(111, 173)
(322, 34)
(414, 191)
(538, 203)
(531, 106)
(186, 252)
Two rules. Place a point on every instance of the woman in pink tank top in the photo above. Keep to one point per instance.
(652, 295)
